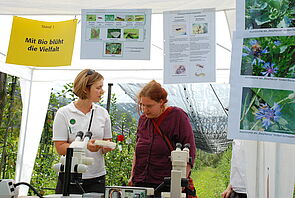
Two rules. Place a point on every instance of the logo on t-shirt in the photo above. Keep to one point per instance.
(72, 121)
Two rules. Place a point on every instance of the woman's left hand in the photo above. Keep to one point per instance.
(107, 149)
(93, 147)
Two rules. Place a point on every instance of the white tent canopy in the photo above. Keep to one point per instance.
(72, 7)
(36, 83)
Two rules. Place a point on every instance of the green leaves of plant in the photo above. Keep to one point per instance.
(269, 14)
(283, 48)
(275, 3)
(262, 19)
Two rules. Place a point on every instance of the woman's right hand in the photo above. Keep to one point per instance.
(227, 192)
(130, 183)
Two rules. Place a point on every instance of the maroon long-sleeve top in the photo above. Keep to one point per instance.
(152, 162)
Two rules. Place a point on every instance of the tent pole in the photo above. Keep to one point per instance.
(109, 96)
(25, 132)
(228, 26)
(218, 100)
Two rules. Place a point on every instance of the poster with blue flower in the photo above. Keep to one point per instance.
(272, 56)
(262, 96)
(262, 113)
(268, 110)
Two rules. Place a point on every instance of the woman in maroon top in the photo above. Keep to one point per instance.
(151, 161)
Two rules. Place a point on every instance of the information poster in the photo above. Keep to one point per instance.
(116, 34)
(41, 44)
(189, 46)
(262, 98)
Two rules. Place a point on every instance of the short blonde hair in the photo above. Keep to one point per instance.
(84, 80)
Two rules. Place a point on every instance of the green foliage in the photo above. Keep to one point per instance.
(119, 162)
(113, 48)
(44, 177)
(211, 173)
(269, 56)
(9, 128)
(208, 182)
(223, 166)
(269, 14)
(204, 159)
(218, 162)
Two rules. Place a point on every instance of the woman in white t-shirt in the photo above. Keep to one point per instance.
(83, 115)
(237, 187)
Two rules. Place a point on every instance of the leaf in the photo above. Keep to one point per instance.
(264, 5)
(292, 69)
(275, 3)
(291, 73)
(258, 7)
(283, 48)
(283, 122)
(262, 19)
(282, 24)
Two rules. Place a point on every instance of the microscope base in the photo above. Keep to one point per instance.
(86, 195)
(60, 196)
(167, 195)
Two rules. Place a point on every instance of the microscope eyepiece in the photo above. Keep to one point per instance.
(88, 134)
(80, 134)
(187, 145)
(178, 145)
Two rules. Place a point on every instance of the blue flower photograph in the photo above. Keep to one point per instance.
(268, 110)
(269, 56)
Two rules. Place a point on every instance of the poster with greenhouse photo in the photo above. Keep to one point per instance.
(255, 15)
(264, 114)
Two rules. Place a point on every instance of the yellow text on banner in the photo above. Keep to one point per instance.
(42, 44)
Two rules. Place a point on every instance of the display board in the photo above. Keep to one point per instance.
(116, 34)
(262, 99)
(40, 43)
(189, 46)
